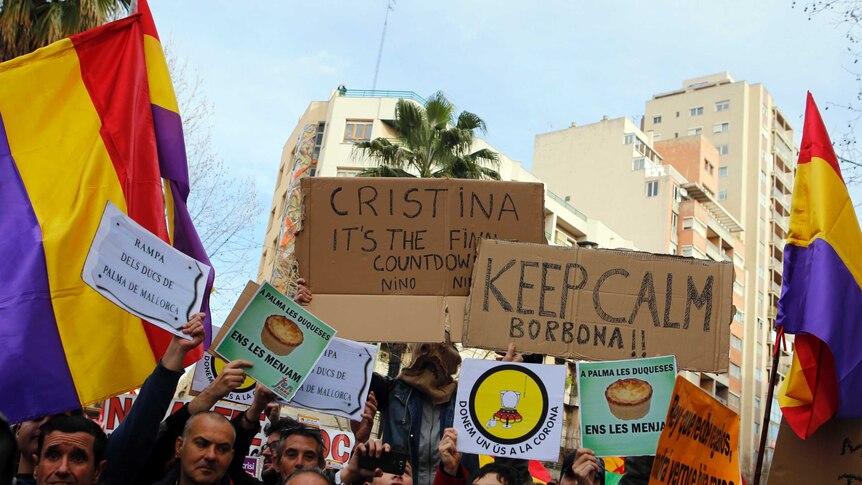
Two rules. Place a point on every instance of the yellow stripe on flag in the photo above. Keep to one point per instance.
(53, 131)
(795, 390)
(159, 77)
(822, 209)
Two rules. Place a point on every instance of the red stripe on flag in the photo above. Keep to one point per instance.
(114, 71)
(818, 365)
(147, 19)
(815, 139)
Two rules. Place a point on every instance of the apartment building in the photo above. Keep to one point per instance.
(324, 139)
(757, 158)
(662, 196)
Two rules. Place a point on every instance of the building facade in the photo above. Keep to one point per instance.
(757, 159)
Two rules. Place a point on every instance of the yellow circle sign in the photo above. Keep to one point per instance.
(508, 404)
(217, 365)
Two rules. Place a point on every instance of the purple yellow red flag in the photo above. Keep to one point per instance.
(84, 120)
(821, 296)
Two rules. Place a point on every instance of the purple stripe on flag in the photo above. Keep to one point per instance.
(186, 240)
(35, 379)
(171, 148)
(820, 297)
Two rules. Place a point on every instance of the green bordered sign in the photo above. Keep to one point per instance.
(624, 404)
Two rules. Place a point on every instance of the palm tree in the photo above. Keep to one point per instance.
(26, 25)
(431, 143)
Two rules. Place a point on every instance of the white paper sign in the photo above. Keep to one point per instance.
(510, 409)
(207, 370)
(142, 274)
(340, 382)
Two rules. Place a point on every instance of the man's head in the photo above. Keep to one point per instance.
(405, 478)
(441, 359)
(27, 436)
(300, 447)
(273, 436)
(308, 476)
(495, 474)
(69, 449)
(205, 448)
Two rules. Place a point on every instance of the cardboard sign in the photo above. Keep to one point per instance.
(142, 274)
(415, 238)
(833, 454)
(510, 409)
(282, 340)
(592, 304)
(624, 403)
(700, 440)
(337, 444)
(340, 381)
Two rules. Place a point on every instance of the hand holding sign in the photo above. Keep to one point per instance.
(370, 449)
(193, 334)
(585, 467)
(450, 457)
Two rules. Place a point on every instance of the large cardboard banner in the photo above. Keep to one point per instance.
(833, 454)
(282, 339)
(142, 274)
(623, 404)
(510, 409)
(592, 304)
(700, 440)
(365, 239)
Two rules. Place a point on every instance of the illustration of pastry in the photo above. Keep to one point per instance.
(508, 413)
(280, 335)
(629, 398)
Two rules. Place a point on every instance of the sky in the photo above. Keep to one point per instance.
(524, 67)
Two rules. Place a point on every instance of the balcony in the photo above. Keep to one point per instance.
(775, 289)
(778, 242)
(782, 177)
(377, 93)
(783, 150)
(565, 204)
(784, 199)
(712, 251)
(781, 222)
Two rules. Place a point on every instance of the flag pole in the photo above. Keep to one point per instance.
(764, 426)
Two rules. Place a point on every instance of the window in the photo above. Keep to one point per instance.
(722, 105)
(722, 195)
(723, 171)
(652, 188)
(708, 167)
(674, 219)
(735, 371)
(736, 342)
(677, 114)
(696, 111)
(687, 251)
(348, 172)
(694, 131)
(687, 222)
(656, 137)
(318, 141)
(629, 139)
(722, 149)
(721, 127)
(738, 288)
(638, 163)
(656, 119)
(358, 130)
(739, 316)
(672, 247)
(733, 401)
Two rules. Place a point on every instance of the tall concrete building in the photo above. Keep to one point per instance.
(661, 196)
(755, 179)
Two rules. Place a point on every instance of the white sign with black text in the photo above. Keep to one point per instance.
(142, 274)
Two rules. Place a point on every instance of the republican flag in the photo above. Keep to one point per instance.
(821, 299)
(87, 119)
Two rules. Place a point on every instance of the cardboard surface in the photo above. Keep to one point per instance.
(700, 441)
(831, 455)
(367, 243)
(593, 304)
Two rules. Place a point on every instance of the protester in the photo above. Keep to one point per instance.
(582, 467)
(27, 439)
(405, 478)
(353, 474)
(269, 450)
(451, 471)
(308, 476)
(8, 451)
(300, 447)
(205, 451)
(70, 449)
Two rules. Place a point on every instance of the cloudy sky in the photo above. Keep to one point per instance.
(525, 67)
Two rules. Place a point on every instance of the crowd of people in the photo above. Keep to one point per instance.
(197, 446)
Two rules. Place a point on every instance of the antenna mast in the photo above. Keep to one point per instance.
(390, 5)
